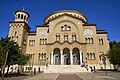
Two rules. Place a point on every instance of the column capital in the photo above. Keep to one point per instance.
(70, 51)
(80, 51)
(51, 52)
(61, 52)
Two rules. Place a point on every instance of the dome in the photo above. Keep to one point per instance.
(21, 15)
(68, 12)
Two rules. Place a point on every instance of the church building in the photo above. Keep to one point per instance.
(65, 39)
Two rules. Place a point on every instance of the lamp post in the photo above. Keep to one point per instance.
(104, 62)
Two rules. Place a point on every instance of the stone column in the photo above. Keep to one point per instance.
(80, 57)
(61, 57)
(71, 58)
(52, 58)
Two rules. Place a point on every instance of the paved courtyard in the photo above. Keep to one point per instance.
(78, 76)
(71, 76)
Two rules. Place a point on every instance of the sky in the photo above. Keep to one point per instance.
(104, 13)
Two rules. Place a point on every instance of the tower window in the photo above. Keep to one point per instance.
(43, 41)
(22, 16)
(18, 16)
(31, 42)
(101, 41)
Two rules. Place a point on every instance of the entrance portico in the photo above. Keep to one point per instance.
(66, 57)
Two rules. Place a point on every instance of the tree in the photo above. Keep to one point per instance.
(114, 53)
(22, 60)
(14, 54)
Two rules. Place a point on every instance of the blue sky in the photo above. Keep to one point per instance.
(104, 13)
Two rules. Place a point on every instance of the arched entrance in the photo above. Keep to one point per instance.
(76, 56)
(66, 55)
(56, 55)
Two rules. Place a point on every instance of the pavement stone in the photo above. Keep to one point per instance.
(44, 76)
(100, 76)
(68, 77)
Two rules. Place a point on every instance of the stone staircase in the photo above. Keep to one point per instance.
(65, 69)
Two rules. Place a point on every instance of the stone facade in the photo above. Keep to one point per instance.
(65, 38)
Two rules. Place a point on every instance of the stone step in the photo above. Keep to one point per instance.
(65, 69)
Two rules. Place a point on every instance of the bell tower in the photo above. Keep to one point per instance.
(19, 29)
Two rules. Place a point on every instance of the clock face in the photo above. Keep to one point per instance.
(43, 33)
(88, 32)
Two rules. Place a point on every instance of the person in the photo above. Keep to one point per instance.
(86, 67)
(119, 69)
(34, 71)
(38, 69)
(91, 69)
(94, 69)
(83, 64)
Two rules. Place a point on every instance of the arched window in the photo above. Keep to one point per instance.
(62, 28)
(18, 16)
(45, 41)
(74, 37)
(65, 37)
(65, 28)
(100, 41)
(24, 17)
(21, 16)
(16, 39)
(42, 41)
(87, 55)
(44, 55)
(93, 56)
(39, 57)
(69, 28)
(57, 37)
(15, 34)
(86, 40)
(91, 40)
(90, 55)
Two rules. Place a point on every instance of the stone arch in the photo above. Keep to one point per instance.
(66, 55)
(66, 21)
(76, 56)
(56, 54)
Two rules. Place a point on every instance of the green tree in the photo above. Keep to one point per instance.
(22, 60)
(114, 53)
(14, 54)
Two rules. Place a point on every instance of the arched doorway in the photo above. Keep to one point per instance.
(66, 54)
(56, 55)
(76, 56)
